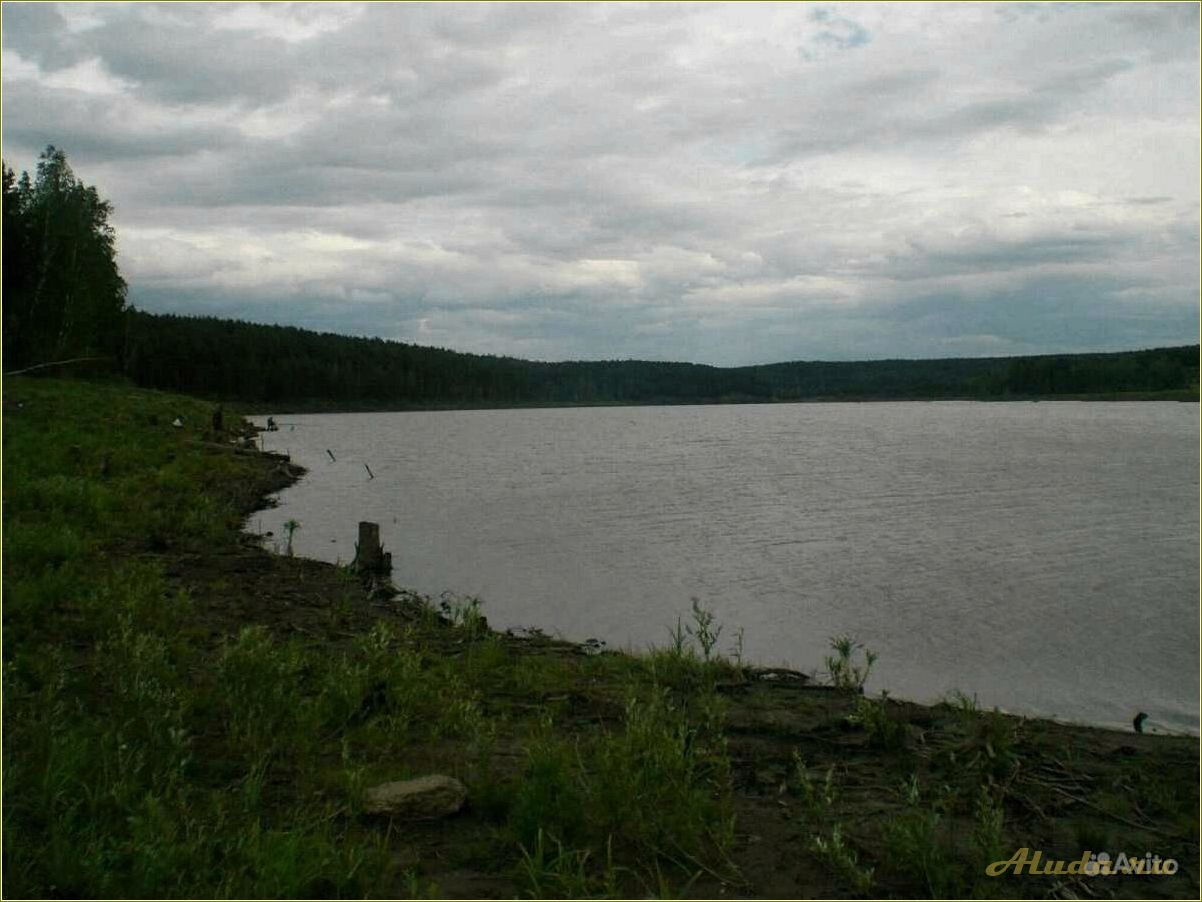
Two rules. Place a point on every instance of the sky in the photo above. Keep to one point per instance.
(723, 184)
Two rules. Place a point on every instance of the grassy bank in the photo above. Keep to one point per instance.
(188, 715)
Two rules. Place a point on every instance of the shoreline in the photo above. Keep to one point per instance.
(1183, 396)
(291, 686)
(786, 677)
(589, 645)
(1170, 714)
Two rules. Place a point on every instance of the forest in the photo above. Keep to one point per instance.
(289, 366)
(65, 299)
(63, 294)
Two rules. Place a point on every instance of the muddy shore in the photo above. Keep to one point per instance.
(1067, 787)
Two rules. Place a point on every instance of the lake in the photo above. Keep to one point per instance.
(1042, 556)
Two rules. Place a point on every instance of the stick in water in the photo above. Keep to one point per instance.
(331, 453)
(370, 474)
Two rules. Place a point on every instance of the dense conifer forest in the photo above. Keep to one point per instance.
(63, 294)
(64, 298)
(285, 365)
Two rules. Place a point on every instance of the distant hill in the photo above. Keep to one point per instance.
(290, 367)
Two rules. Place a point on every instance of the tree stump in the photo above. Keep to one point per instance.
(370, 556)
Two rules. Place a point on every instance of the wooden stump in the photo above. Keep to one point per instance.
(370, 556)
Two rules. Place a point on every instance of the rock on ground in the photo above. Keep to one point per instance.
(435, 795)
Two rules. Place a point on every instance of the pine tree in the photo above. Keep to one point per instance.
(63, 293)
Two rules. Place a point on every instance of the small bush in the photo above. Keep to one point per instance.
(884, 731)
(817, 794)
(842, 860)
(988, 752)
(917, 845)
(690, 664)
(843, 669)
(464, 613)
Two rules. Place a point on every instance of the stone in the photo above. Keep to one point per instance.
(432, 796)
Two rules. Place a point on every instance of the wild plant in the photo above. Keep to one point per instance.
(250, 790)
(681, 647)
(261, 681)
(343, 689)
(418, 887)
(463, 613)
(704, 631)
(487, 661)
(549, 798)
(460, 716)
(965, 705)
(380, 683)
(842, 860)
(844, 670)
(658, 790)
(736, 651)
(658, 885)
(291, 526)
(341, 609)
(353, 776)
(562, 873)
(884, 731)
(482, 743)
(989, 750)
(817, 794)
(988, 822)
(108, 695)
(690, 662)
(914, 844)
(662, 782)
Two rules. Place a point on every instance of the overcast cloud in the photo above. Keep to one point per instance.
(723, 184)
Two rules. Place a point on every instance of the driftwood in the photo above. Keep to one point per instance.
(781, 674)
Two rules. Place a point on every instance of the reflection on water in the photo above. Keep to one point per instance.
(1043, 556)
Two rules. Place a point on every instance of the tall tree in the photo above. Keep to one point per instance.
(63, 293)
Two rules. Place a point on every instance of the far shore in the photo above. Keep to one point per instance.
(311, 407)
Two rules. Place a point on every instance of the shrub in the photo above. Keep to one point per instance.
(844, 670)
(884, 731)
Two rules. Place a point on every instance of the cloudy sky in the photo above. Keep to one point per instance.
(723, 184)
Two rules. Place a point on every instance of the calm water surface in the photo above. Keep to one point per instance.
(1043, 556)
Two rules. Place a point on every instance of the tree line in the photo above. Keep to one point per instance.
(230, 359)
(63, 294)
(64, 298)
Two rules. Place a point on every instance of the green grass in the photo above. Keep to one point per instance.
(878, 721)
(140, 760)
(171, 733)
